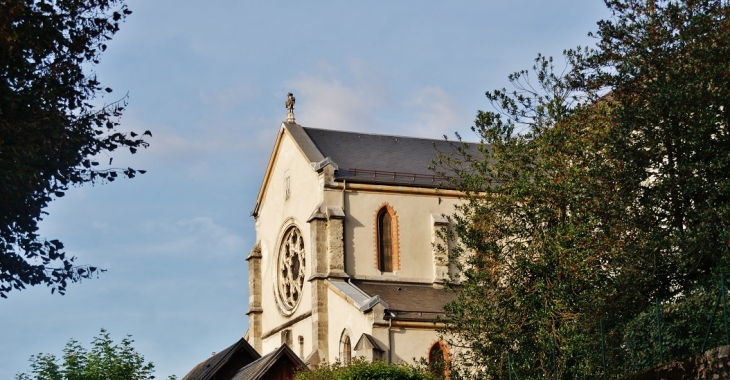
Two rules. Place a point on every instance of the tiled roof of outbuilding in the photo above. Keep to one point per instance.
(256, 368)
(261, 366)
(208, 369)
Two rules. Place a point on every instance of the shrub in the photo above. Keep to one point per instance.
(360, 369)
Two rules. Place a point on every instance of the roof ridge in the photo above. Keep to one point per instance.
(377, 134)
(264, 363)
(219, 359)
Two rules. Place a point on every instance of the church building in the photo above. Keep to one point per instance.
(344, 263)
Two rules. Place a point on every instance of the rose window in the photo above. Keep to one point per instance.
(291, 269)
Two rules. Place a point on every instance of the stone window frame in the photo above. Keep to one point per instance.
(287, 226)
(287, 187)
(345, 347)
(395, 237)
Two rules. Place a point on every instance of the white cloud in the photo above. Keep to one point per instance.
(199, 171)
(358, 98)
(192, 236)
(102, 227)
(436, 113)
(228, 97)
(188, 147)
(327, 101)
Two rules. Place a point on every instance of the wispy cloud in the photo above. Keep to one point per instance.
(358, 98)
(347, 99)
(191, 236)
(436, 113)
(228, 97)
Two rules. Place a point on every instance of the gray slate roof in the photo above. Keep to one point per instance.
(367, 342)
(362, 300)
(409, 301)
(380, 159)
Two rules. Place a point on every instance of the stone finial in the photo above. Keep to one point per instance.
(290, 106)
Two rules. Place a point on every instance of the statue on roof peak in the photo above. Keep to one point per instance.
(290, 106)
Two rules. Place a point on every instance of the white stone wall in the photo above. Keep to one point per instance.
(275, 215)
(411, 343)
(343, 316)
(311, 193)
(415, 230)
(302, 328)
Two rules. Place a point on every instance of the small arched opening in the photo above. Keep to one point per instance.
(345, 348)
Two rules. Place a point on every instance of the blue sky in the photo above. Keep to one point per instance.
(209, 79)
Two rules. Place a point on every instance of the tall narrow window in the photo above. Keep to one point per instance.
(437, 360)
(286, 338)
(287, 187)
(385, 241)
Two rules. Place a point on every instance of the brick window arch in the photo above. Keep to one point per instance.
(438, 359)
(386, 239)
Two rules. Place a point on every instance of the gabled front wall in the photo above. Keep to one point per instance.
(275, 214)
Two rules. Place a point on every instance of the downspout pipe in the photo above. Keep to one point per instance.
(344, 187)
(390, 337)
(344, 211)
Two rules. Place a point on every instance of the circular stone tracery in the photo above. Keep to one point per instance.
(291, 268)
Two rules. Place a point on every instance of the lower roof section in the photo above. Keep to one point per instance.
(411, 301)
(403, 301)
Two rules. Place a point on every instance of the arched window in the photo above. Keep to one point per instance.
(345, 348)
(385, 245)
(387, 239)
(437, 360)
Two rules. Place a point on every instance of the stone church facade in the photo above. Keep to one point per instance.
(344, 263)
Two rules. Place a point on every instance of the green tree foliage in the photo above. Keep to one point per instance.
(105, 360)
(533, 261)
(54, 128)
(363, 370)
(684, 323)
(594, 191)
(667, 64)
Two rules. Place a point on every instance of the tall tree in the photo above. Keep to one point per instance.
(595, 193)
(54, 127)
(534, 258)
(667, 64)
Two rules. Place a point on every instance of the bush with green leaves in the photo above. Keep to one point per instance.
(360, 369)
(684, 321)
(106, 360)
